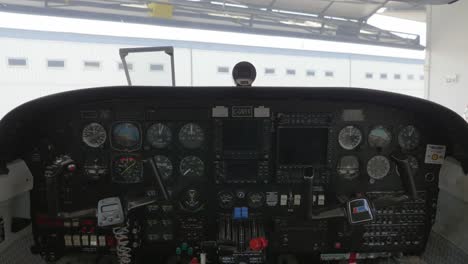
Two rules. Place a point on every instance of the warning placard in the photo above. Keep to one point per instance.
(435, 154)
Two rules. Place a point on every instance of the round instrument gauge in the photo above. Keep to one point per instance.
(380, 137)
(96, 167)
(127, 169)
(159, 135)
(164, 166)
(255, 200)
(226, 199)
(94, 135)
(350, 137)
(378, 167)
(191, 136)
(191, 200)
(191, 166)
(126, 136)
(348, 167)
(409, 138)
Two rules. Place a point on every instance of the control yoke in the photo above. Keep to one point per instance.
(406, 174)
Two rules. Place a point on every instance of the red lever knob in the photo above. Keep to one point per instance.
(258, 244)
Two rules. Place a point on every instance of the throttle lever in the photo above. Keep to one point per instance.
(406, 175)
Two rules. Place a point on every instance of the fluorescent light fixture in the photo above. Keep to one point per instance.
(381, 10)
(362, 31)
(302, 24)
(228, 4)
(336, 18)
(404, 35)
(293, 13)
(142, 6)
(228, 16)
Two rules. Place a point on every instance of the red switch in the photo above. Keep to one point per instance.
(337, 245)
(255, 244)
(71, 167)
(194, 261)
(352, 258)
(258, 244)
(110, 241)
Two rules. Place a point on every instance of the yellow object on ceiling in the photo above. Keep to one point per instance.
(161, 10)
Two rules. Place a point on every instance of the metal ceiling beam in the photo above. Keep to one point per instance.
(375, 10)
(321, 14)
(258, 22)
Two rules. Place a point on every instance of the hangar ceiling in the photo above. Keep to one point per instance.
(334, 20)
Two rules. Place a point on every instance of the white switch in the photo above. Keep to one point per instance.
(262, 111)
(284, 199)
(85, 240)
(68, 240)
(220, 111)
(297, 199)
(102, 241)
(321, 199)
(93, 240)
(76, 240)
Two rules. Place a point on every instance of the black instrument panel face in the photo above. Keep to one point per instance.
(230, 168)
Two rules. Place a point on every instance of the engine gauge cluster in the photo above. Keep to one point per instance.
(375, 153)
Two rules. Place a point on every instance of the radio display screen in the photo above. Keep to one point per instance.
(241, 170)
(302, 146)
(241, 135)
